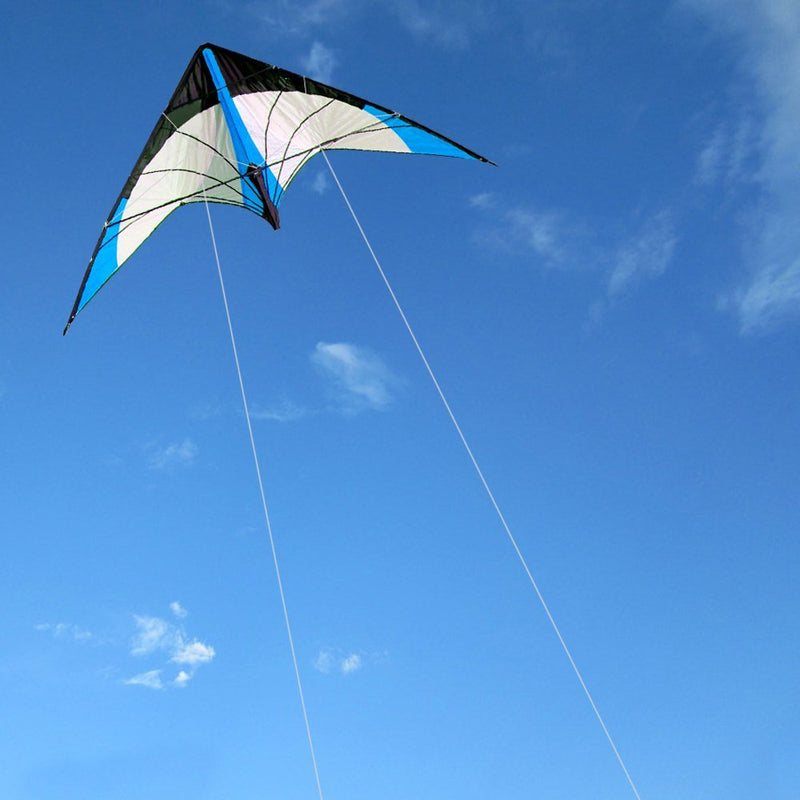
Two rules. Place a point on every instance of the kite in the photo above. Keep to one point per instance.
(237, 131)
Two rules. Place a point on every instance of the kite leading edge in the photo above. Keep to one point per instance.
(237, 131)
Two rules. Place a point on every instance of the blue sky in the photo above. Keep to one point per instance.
(612, 312)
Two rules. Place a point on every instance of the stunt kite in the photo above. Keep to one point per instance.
(237, 131)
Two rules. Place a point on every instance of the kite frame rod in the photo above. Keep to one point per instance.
(264, 504)
(483, 481)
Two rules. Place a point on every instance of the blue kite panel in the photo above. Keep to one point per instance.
(105, 262)
(417, 139)
(246, 151)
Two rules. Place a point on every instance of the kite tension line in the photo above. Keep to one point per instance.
(483, 481)
(264, 506)
(217, 141)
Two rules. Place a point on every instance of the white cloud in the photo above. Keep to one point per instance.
(177, 453)
(63, 630)
(549, 236)
(729, 155)
(361, 379)
(351, 663)
(153, 633)
(772, 295)
(193, 653)
(155, 640)
(482, 200)
(768, 32)
(182, 679)
(324, 661)
(156, 635)
(150, 679)
(557, 242)
(541, 232)
(320, 63)
(647, 254)
(320, 183)
(328, 660)
(178, 610)
(712, 156)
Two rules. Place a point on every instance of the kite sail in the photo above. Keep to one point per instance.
(237, 131)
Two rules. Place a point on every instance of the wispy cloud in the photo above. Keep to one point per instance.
(645, 255)
(153, 633)
(320, 62)
(64, 630)
(434, 21)
(178, 610)
(542, 233)
(324, 662)
(355, 379)
(451, 24)
(285, 411)
(154, 639)
(330, 660)
(351, 663)
(554, 241)
(729, 155)
(771, 296)
(768, 32)
(154, 636)
(182, 679)
(174, 454)
(482, 200)
(320, 183)
(193, 653)
(298, 17)
(206, 410)
(151, 679)
(361, 380)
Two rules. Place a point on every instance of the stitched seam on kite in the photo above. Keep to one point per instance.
(295, 131)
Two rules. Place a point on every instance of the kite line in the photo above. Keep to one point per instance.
(483, 481)
(206, 150)
(264, 505)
